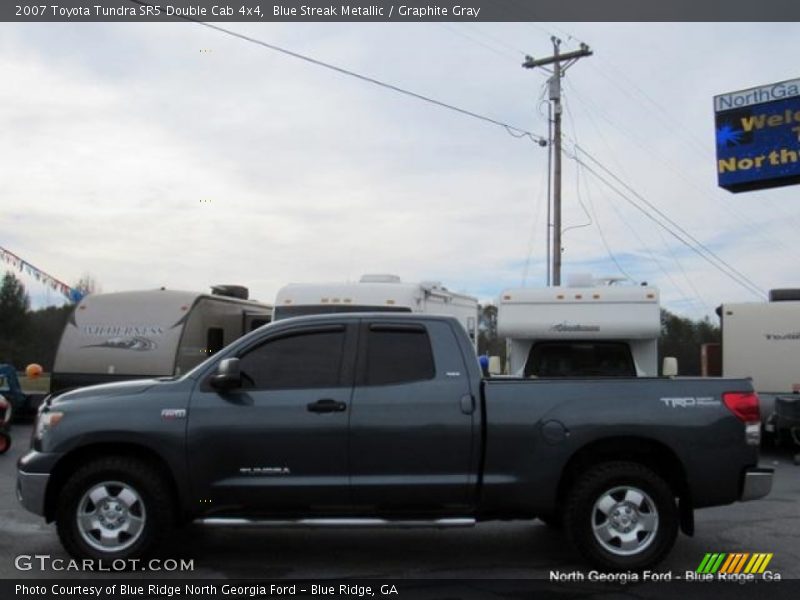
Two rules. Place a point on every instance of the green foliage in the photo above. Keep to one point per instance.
(682, 338)
(46, 326)
(28, 336)
(14, 321)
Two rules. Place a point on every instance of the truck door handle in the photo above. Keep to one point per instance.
(327, 405)
(467, 404)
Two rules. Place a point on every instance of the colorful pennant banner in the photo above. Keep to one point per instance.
(8, 257)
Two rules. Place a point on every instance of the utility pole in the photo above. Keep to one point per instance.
(560, 62)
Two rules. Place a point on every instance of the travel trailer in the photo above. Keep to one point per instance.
(583, 331)
(384, 293)
(762, 340)
(150, 333)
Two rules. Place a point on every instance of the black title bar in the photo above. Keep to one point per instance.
(405, 11)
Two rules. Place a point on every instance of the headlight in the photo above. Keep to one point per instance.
(46, 421)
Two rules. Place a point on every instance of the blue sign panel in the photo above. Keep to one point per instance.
(758, 137)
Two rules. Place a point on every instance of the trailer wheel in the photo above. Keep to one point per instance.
(113, 508)
(622, 516)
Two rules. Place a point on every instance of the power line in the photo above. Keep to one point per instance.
(653, 257)
(669, 220)
(731, 272)
(667, 119)
(535, 226)
(499, 41)
(582, 205)
(602, 235)
(700, 298)
(474, 40)
(697, 294)
(514, 130)
(653, 152)
(699, 248)
(577, 177)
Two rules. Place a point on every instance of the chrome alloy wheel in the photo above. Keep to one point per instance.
(624, 520)
(111, 516)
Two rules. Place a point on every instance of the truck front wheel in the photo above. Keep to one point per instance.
(113, 508)
(622, 516)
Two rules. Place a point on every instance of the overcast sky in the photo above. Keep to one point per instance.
(174, 155)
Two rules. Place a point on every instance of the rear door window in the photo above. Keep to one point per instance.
(398, 354)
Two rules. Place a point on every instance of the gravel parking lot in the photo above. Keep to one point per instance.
(491, 550)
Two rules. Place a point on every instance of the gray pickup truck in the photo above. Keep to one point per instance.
(384, 419)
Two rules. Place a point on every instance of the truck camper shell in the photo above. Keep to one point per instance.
(614, 324)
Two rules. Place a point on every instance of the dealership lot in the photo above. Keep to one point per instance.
(491, 550)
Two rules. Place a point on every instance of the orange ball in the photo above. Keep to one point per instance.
(32, 371)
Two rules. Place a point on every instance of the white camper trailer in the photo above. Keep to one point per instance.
(151, 333)
(601, 331)
(371, 293)
(762, 340)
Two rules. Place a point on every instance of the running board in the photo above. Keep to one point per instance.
(344, 522)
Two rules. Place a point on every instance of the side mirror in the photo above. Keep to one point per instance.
(495, 366)
(670, 366)
(228, 375)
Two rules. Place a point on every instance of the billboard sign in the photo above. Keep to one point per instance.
(758, 137)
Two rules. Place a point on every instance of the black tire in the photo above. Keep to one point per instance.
(621, 516)
(123, 478)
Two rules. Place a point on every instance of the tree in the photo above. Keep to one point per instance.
(46, 327)
(488, 341)
(682, 337)
(14, 321)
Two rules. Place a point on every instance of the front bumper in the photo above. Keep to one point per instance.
(31, 489)
(32, 480)
(757, 483)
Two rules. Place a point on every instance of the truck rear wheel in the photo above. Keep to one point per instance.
(113, 508)
(622, 516)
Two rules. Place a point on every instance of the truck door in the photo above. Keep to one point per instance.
(412, 420)
(278, 443)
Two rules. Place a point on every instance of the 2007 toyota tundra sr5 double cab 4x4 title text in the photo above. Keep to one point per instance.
(370, 419)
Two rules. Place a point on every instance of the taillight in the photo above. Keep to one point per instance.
(744, 405)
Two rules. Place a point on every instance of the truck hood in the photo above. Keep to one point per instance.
(106, 390)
